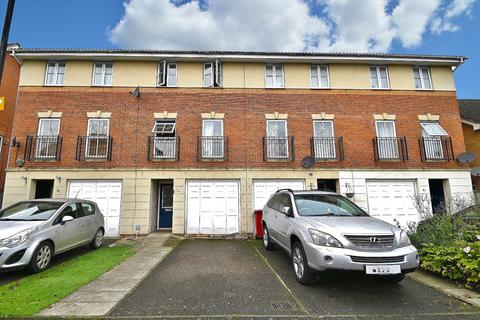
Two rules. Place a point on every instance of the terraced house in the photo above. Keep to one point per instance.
(195, 141)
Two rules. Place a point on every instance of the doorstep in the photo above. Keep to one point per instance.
(102, 294)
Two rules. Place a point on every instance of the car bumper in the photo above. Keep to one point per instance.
(17, 257)
(325, 258)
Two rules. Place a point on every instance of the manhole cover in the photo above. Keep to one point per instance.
(282, 305)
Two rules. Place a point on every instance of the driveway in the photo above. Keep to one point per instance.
(233, 278)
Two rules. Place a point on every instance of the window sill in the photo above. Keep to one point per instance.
(54, 85)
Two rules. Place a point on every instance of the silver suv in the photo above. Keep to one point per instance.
(322, 231)
(31, 232)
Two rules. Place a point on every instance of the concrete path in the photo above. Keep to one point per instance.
(101, 295)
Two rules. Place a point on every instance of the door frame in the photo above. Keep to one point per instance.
(159, 205)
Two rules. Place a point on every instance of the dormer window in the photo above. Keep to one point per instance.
(213, 74)
(167, 74)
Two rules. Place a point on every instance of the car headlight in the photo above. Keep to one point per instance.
(404, 239)
(16, 239)
(324, 239)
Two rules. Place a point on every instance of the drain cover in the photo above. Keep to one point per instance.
(282, 305)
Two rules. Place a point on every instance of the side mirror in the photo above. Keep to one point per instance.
(66, 219)
(290, 212)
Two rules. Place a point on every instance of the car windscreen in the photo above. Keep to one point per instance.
(326, 205)
(30, 211)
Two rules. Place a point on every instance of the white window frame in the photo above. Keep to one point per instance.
(103, 84)
(319, 67)
(444, 134)
(270, 153)
(47, 137)
(1, 145)
(212, 82)
(315, 131)
(330, 153)
(421, 77)
(41, 120)
(56, 63)
(161, 70)
(164, 143)
(207, 148)
(211, 120)
(274, 75)
(434, 143)
(167, 75)
(387, 150)
(88, 138)
(164, 123)
(385, 121)
(377, 70)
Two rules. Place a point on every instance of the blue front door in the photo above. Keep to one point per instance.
(166, 206)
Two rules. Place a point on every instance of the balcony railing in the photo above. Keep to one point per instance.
(94, 148)
(163, 148)
(278, 148)
(43, 148)
(327, 148)
(212, 148)
(390, 148)
(436, 149)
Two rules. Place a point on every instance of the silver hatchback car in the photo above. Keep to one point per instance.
(32, 232)
(323, 231)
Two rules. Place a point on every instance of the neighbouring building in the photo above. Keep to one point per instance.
(195, 141)
(470, 114)
(8, 97)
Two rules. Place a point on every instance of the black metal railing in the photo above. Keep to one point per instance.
(327, 148)
(436, 148)
(94, 148)
(278, 148)
(163, 148)
(212, 148)
(394, 148)
(44, 148)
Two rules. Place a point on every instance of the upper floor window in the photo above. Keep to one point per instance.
(319, 77)
(98, 140)
(55, 74)
(164, 139)
(277, 139)
(47, 139)
(274, 76)
(102, 74)
(323, 139)
(212, 140)
(213, 74)
(433, 145)
(422, 79)
(379, 77)
(386, 140)
(167, 74)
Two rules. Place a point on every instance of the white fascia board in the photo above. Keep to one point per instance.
(476, 126)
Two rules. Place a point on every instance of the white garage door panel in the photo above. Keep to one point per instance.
(391, 200)
(263, 189)
(108, 196)
(212, 207)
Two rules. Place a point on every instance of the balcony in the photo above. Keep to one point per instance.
(94, 148)
(392, 149)
(278, 148)
(436, 148)
(163, 148)
(325, 149)
(212, 148)
(43, 148)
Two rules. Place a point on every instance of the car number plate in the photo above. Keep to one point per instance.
(388, 269)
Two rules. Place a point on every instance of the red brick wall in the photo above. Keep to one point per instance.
(8, 89)
(132, 120)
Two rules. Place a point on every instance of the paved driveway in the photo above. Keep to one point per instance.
(239, 279)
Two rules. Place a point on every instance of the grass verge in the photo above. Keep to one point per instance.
(34, 293)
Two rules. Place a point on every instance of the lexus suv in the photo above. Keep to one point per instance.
(323, 231)
(32, 232)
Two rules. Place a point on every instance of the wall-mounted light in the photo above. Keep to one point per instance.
(59, 179)
(25, 179)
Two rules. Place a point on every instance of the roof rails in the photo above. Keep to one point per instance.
(285, 189)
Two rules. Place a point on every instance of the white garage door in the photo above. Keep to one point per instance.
(108, 196)
(263, 189)
(392, 199)
(213, 207)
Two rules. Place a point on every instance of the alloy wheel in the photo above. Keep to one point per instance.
(43, 256)
(265, 237)
(298, 262)
(99, 238)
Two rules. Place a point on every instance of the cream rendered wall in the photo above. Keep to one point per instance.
(349, 76)
(254, 75)
(190, 74)
(78, 73)
(401, 77)
(442, 78)
(135, 73)
(233, 75)
(297, 76)
(32, 73)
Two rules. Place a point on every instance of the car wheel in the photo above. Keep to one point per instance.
(395, 278)
(303, 274)
(267, 242)
(41, 258)
(97, 240)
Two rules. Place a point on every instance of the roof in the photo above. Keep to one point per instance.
(146, 54)
(470, 110)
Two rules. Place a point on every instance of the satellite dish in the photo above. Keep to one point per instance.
(466, 157)
(136, 92)
(475, 172)
(308, 162)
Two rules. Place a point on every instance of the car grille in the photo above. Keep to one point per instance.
(366, 241)
(377, 259)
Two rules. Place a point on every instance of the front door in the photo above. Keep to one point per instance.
(165, 211)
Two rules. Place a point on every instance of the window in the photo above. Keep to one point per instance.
(55, 74)
(88, 209)
(1, 146)
(283, 203)
(212, 139)
(47, 139)
(102, 74)
(277, 139)
(164, 140)
(167, 74)
(432, 134)
(387, 146)
(73, 210)
(323, 139)
(421, 76)
(98, 141)
(274, 76)
(432, 129)
(212, 74)
(319, 77)
(326, 205)
(379, 77)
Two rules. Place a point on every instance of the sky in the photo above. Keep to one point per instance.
(392, 26)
